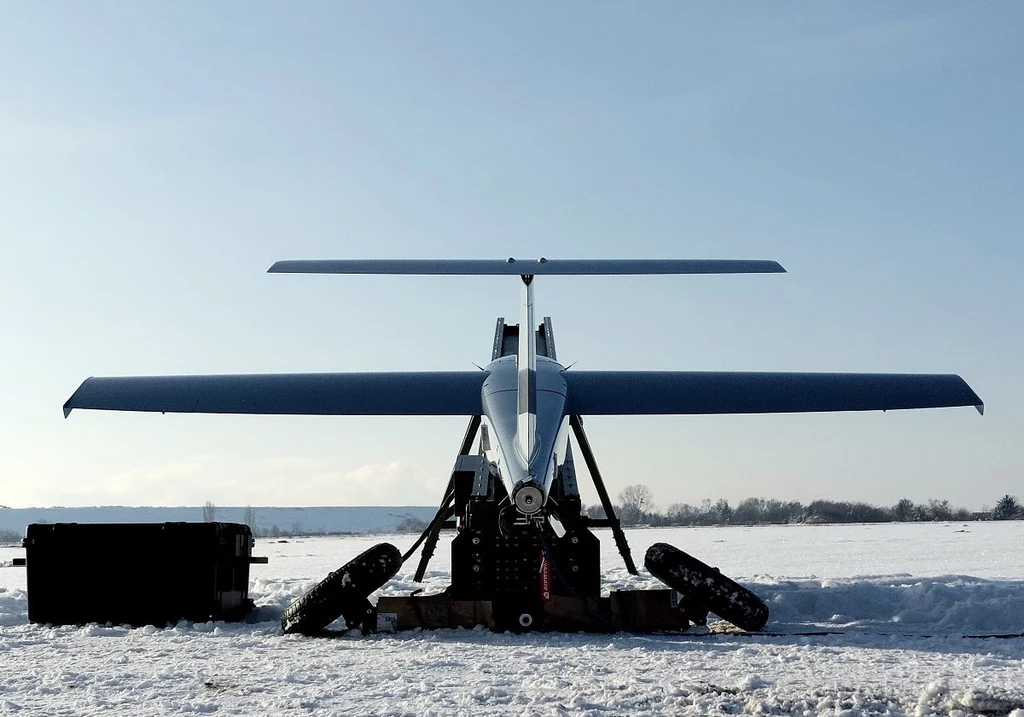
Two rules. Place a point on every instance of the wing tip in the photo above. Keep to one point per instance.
(975, 399)
(70, 405)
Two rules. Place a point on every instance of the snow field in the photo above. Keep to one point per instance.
(882, 589)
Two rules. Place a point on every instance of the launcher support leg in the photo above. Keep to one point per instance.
(609, 510)
(443, 512)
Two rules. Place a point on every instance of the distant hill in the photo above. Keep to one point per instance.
(269, 520)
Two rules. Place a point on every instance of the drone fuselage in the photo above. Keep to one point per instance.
(527, 478)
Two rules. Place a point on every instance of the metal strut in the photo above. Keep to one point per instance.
(445, 510)
(576, 422)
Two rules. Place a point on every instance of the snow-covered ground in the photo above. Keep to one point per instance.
(901, 606)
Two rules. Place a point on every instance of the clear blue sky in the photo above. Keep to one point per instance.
(156, 158)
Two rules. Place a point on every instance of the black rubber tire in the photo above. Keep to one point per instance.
(701, 584)
(343, 592)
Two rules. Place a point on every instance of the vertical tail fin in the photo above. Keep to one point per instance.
(526, 423)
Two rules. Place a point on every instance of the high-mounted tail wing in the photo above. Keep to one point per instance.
(526, 266)
(433, 393)
(697, 392)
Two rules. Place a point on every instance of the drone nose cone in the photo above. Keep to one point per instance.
(528, 498)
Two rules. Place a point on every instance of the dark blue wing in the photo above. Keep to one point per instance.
(674, 392)
(365, 394)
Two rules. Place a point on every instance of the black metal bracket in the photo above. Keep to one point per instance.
(612, 521)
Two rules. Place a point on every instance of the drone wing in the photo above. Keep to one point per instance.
(698, 392)
(577, 267)
(361, 394)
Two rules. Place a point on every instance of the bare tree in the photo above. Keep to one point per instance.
(903, 511)
(209, 512)
(634, 502)
(939, 509)
(250, 517)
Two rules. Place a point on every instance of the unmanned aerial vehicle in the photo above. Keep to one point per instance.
(524, 555)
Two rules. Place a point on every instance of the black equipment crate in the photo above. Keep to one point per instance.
(137, 573)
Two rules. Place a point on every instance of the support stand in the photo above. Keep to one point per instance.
(612, 521)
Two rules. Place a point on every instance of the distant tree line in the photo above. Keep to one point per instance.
(410, 524)
(635, 506)
(295, 531)
(267, 531)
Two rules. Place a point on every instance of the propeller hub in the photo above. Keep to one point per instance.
(528, 498)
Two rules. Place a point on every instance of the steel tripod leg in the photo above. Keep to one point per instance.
(430, 535)
(609, 510)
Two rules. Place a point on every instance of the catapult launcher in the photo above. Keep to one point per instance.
(524, 556)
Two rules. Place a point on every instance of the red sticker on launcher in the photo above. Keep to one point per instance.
(545, 579)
